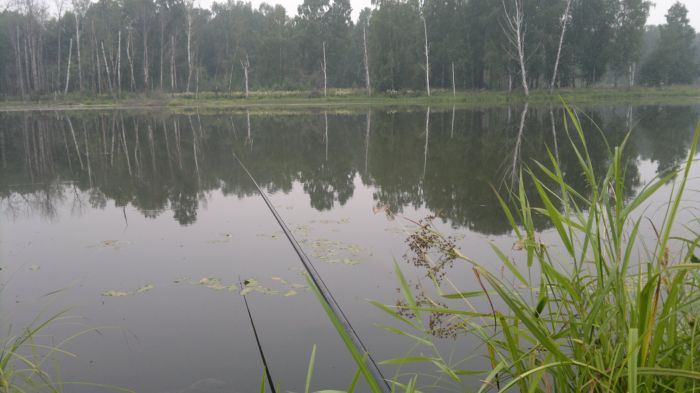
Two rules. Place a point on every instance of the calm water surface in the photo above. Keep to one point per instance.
(141, 223)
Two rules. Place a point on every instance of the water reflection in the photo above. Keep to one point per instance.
(445, 160)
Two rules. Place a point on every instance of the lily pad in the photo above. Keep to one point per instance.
(114, 293)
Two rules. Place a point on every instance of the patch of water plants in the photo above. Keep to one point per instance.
(595, 306)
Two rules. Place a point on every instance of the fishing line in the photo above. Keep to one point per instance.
(318, 281)
(257, 340)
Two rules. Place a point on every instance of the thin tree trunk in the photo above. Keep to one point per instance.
(245, 66)
(452, 127)
(515, 32)
(162, 51)
(427, 57)
(70, 52)
(146, 81)
(189, 48)
(325, 75)
(172, 63)
(58, 56)
(119, 62)
(130, 58)
(18, 58)
(454, 84)
(564, 20)
(97, 58)
(77, 48)
(109, 77)
(364, 39)
(631, 75)
(196, 77)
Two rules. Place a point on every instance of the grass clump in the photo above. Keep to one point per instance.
(599, 308)
(29, 359)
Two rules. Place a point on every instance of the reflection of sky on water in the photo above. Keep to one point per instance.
(179, 210)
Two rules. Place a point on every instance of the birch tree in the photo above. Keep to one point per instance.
(564, 23)
(367, 81)
(70, 52)
(79, 9)
(246, 65)
(59, 27)
(514, 30)
(427, 57)
(324, 69)
(189, 4)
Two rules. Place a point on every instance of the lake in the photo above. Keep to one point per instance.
(141, 223)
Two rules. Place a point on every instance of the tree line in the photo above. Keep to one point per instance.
(112, 47)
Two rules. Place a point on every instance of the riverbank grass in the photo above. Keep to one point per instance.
(358, 98)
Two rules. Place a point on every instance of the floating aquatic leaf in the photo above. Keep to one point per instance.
(247, 290)
(145, 288)
(34, 268)
(298, 286)
(179, 280)
(115, 293)
(290, 292)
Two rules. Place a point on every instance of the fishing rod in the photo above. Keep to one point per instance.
(257, 340)
(318, 282)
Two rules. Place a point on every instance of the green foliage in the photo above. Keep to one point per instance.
(674, 60)
(146, 46)
(25, 360)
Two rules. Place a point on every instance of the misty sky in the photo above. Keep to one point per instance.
(656, 16)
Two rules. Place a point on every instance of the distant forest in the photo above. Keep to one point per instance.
(119, 46)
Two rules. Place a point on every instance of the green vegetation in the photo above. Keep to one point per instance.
(112, 47)
(30, 361)
(349, 99)
(597, 311)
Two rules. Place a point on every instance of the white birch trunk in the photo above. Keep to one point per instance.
(119, 62)
(146, 66)
(564, 20)
(454, 84)
(189, 47)
(515, 31)
(77, 48)
(129, 46)
(70, 52)
(427, 57)
(172, 63)
(245, 64)
(367, 80)
(325, 75)
(109, 76)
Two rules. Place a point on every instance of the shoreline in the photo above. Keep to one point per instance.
(356, 99)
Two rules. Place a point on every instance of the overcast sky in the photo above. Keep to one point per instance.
(656, 16)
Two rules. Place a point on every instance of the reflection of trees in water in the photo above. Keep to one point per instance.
(446, 161)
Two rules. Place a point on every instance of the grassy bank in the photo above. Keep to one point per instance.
(349, 98)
